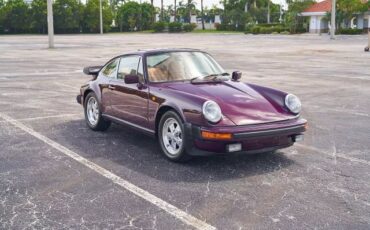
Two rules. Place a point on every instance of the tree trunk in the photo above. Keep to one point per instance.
(152, 2)
(189, 8)
(201, 8)
(268, 12)
(175, 14)
(161, 10)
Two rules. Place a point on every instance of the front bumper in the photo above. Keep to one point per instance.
(253, 138)
(79, 99)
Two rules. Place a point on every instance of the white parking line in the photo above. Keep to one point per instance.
(46, 117)
(340, 155)
(169, 208)
(39, 73)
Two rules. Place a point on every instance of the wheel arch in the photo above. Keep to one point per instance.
(161, 111)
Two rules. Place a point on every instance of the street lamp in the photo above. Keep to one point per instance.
(50, 23)
(101, 16)
(332, 27)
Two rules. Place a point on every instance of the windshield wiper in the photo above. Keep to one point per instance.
(210, 77)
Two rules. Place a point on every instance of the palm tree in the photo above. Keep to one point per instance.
(161, 10)
(202, 12)
(175, 11)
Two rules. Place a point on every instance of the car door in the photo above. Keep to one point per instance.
(129, 102)
(107, 73)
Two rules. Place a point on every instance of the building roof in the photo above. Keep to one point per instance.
(324, 6)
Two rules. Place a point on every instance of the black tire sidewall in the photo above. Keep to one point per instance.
(182, 155)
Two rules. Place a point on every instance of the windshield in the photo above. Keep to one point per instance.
(177, 66)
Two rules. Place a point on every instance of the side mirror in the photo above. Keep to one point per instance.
(92, 70)
(131, 79)
(236, 75)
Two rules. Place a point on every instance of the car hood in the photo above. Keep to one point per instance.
(239, 102)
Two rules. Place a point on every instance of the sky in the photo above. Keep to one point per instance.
(207, 3)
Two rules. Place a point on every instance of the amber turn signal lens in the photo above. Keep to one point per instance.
(216, 136)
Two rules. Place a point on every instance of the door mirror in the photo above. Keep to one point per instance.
(236, 75)
(131, 79)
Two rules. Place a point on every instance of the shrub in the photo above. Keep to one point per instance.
(349, 31)
(266, 30)
(159, 26)
(189, 27)
(256, 30)
(175, 27)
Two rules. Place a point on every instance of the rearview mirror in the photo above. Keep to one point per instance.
(92, 70)
(236, 75)
(131, 79)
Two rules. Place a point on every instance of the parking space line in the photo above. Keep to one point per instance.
(75, 88)
(340, 155)
(44, 117)
(167, 207)
(39, 73)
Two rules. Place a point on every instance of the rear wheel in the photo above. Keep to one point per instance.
(172, 137)
(93, 116)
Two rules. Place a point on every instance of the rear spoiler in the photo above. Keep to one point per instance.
(92, 70)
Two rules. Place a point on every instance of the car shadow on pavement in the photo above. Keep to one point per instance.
(138, 152)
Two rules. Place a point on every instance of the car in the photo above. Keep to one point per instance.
(186, 100)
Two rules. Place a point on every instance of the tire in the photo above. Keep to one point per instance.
(93, 117)
(172, 137)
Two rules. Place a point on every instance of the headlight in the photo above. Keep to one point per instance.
(212, 111)
(293, 103)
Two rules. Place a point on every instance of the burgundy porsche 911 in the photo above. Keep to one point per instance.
(185, 99)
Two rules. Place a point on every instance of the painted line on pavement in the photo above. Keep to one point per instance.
(167, 207)
(45, 117)
(39, 73)
(340, 155)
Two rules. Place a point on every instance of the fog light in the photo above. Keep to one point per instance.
(298, 138)
(234, 147)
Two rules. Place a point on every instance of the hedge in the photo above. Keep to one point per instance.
(350, 31)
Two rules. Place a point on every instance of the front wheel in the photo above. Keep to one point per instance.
(172, 137)
(93, 116)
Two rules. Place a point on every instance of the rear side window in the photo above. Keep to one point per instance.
(128, 66)
(110, 70)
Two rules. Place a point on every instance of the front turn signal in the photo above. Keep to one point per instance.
(216, 136)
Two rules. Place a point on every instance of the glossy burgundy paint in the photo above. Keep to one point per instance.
(245, 108)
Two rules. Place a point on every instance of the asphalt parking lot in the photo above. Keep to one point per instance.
(56, 173)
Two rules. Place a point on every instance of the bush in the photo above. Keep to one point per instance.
(175, 27)
(349, 31)
(273, 28)
(189, 27)
(159, 26)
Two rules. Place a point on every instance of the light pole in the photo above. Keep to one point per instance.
(268, 12)
(101, 17)
(50, 23)
(333, 12)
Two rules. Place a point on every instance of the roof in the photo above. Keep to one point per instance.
(324, 6)
(164, 50)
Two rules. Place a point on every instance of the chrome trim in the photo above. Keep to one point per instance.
(118, 120)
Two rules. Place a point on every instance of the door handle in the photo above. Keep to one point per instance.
(111, 87)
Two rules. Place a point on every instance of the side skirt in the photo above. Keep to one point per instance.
(146, 131)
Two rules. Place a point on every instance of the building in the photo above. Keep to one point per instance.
(319, 22)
